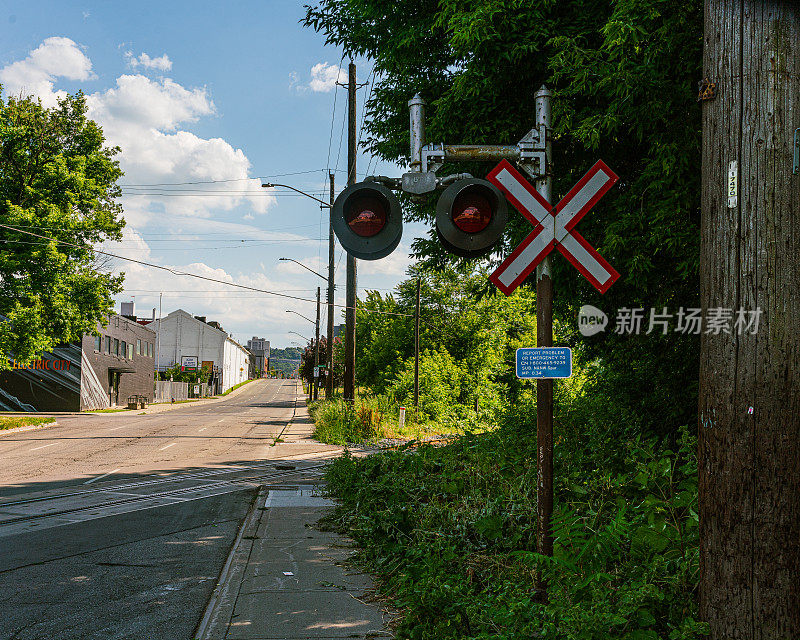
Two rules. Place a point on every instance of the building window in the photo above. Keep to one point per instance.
(150, 349)
(116, 347)
(138, 347)
(98, 343)
(130, 351)
(124, 350)
(108, 344)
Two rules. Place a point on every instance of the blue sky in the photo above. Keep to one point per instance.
(220, 95)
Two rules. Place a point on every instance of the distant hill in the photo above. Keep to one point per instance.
(286, 360)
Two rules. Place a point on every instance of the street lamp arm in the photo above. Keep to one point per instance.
(269, 185)
(301, 335)
(305, 267)
(301, 315)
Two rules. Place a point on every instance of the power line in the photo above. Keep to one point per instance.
(180, 273)
(333, 116)
(176, 237)
(272, 175)
(196, 290)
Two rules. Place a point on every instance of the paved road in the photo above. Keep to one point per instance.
(80, 447)
(117, 525)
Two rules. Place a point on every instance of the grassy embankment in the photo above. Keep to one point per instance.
(450, 532)
(12, 422)
(236, 386)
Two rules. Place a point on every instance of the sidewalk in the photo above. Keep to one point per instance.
(285, 579)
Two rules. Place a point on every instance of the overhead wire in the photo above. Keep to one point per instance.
(178, 272)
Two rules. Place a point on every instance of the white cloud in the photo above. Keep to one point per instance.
(146, 118)
(158, 104)
(324, 77)
(56, 57)
(143, 116)
(233, 306)
(161, 63)
(395, 264)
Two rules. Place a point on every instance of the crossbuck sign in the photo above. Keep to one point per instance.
(553, 227)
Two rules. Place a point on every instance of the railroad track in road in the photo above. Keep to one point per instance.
(251, 474)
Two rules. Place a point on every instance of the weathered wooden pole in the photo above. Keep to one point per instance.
(416, 348)
(349, 391)
(749, 410)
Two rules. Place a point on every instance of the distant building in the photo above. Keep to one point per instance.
(338, 329)
(259, 347)
(183, 338)
(97, 372)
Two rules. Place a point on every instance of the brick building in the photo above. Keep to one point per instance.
(123, 358)
(95, 373)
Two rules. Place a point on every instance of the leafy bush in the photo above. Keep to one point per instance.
(451, 533)
(440, 380)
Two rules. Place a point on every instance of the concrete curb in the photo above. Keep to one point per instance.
(214, 623)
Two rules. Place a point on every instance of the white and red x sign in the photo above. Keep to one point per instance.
(553, 227)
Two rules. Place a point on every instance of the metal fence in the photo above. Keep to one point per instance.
(167, 391)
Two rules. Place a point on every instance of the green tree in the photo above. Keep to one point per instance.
(459, 325)
(175, 374)
(624, 75)
(58, 180)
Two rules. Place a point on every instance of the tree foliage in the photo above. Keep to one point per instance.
(623, 75)
(467, 341)
(58, 180)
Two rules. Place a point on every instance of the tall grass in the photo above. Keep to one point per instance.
(340, 422)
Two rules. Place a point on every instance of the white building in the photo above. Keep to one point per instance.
(180, 336)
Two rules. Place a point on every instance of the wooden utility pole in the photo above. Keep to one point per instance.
(350, 311)
(749, 409)
(331, 269)
(416, 347)
(316, 350)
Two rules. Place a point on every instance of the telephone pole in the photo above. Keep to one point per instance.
(316, 351)
(331, 247)
(749, 405)
(416, 347)
(350, 312)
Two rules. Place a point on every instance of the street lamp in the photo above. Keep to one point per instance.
(329, 279)
(270, 185)
(311, 382)
(301, 315)
(304, 267)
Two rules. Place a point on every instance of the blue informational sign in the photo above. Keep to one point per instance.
(544, 362)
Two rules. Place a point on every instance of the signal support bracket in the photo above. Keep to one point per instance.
(533, 159)
(528, 153)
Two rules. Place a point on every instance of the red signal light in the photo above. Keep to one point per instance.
(367, 220)
(366, 216)
(470, 217)
(472, 211)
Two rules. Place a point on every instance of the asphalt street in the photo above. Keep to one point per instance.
(117, 525)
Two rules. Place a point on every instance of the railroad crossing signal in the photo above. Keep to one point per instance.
(470, 217)
(553, 227)
(367, 220)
